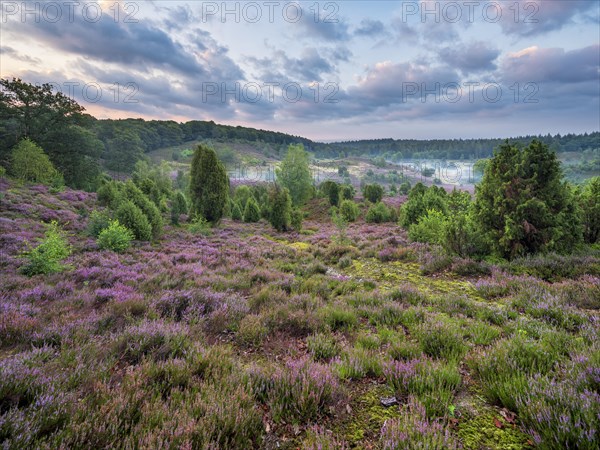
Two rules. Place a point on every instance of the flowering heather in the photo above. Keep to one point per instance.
(302, 391)
(414, 431)
(433, 383)
(251, 338)
(563, 414)
(318, 438)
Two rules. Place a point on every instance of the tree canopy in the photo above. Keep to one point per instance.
(294, 174)
(55, 122)
(30, 163)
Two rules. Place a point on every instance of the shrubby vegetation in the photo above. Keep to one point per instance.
(209, 185)
(239, 336)
(349, 210)
(280, 208)
(30, 163)
(522, 204)
(522, 207)
(309, 335)
(294, 174)
(115, 237)
(48, 256)
(373, 192)
(251, 211)
(134, 219)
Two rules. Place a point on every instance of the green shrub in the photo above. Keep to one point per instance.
(349, 210)
(506, 368)
(429, 228)
(404, 350)
(109, 194)
(115, 237)
(296, 218)
(378, 213)
(98, 221)
(404, 188)
(209, 185)
(178, 207)
(280, 206)
(47, 257)
(347, 192)
(132, 217)
(331, 190)
(434, 383)
(339, 318)
(200, 225)
(373, 192)
(241, 195)
(236, 212)
(482, 333)
(2, 172)
(368, 341)
(358, 363)
(251, 211)
(148, 208)
(420, 200)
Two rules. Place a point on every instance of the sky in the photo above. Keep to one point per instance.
(342, 70)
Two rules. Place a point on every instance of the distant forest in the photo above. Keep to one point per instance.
(137, 136)
(79, 145)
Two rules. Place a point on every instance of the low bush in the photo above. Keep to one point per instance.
(115, 237)
(339, 318)
(98, 221)
(553, 267)
(378, 213)
(506, 368)
(48, 255)
(349, 210)
(200, 225)
(561, 413)
(429, 228)
(469, 267)
(252, 331)
(132, 217)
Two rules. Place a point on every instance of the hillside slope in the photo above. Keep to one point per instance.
(249, 338)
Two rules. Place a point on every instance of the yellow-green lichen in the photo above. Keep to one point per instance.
(391, 275)
(490, 431)
(303, 246)
(368, 416)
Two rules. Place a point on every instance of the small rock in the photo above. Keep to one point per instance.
(349, 409)
(389, 401)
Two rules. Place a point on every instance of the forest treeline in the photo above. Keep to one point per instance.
(80, 145)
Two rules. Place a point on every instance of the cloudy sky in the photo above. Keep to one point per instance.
(325, 70)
